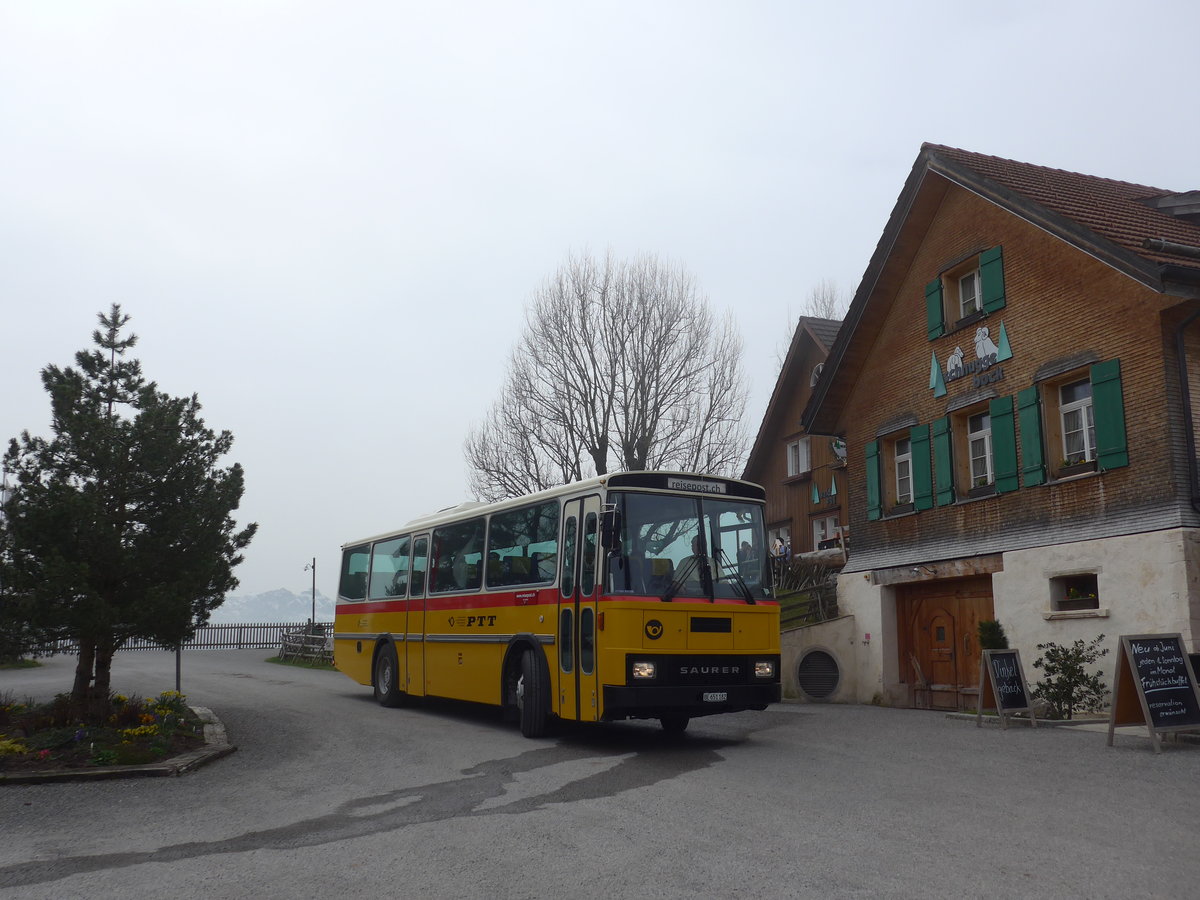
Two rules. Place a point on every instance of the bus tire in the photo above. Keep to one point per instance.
(387, 677)
(675, 724)
(532, 696)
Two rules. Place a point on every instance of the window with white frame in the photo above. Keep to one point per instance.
(779, 540)
(903, 471)
(969, 301)
(1078, 425)
(797, 457)
(825, 528)
(979, 442)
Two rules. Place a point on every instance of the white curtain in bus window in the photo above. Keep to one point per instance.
(455, 557)
(389, 568)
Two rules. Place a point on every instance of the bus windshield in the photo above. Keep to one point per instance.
(689, 547)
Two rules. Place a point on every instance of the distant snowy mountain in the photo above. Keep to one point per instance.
(274, 606)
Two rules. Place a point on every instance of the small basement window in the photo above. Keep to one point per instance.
(1071, 593)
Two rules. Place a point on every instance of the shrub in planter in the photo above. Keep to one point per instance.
(1068, 686)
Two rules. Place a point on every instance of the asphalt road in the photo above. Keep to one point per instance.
(331, 796)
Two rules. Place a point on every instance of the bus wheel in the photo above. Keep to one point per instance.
(387, 687)
(674, 724)
(532, 693)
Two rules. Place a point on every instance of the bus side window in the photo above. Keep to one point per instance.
(588, 575)
(568, 569)
(389, 568)
(416, 586)
(353, 582)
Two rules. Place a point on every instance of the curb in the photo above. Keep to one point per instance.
(1097, 725)
(1024, 720)
(216, 745)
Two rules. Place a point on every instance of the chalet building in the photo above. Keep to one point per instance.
(1017, 382)
(804, 475)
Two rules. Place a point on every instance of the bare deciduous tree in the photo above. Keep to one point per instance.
(824, 301)
(622, 365)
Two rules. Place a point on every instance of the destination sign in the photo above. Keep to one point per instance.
(692, 484)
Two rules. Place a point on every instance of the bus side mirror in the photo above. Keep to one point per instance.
(610, 529)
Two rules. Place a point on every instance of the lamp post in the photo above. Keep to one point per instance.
(313, 621)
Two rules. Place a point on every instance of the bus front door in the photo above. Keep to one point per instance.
(578, 697)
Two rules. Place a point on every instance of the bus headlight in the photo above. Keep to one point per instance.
(643, 669)
(764, 668)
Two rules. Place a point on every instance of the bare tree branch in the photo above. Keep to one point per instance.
(824, 301)
(620, 364)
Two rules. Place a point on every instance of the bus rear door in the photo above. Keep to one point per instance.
(414, 638)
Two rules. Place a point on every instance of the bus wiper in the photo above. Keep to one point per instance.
(700, 567)
(736, 577)
(681, 576)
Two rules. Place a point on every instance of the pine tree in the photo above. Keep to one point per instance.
(119, 525)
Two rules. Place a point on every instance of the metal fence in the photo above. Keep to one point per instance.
(240, 636)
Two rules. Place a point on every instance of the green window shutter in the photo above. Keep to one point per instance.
(1108, 409)
(874, 494)
(943, 462)
(922, 472)
(991, 274)
(1033, 454)
(1004, 444)
(933, 309)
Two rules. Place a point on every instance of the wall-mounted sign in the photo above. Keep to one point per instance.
(984, 367)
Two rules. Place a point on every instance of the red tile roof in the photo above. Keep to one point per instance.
(1111, 209)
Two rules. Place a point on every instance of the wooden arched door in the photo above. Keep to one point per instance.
(938, 639)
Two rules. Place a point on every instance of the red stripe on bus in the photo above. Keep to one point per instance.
(544, 597)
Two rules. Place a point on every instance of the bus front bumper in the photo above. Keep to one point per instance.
(652, 702)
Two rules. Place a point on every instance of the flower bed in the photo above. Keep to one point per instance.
(47, 737)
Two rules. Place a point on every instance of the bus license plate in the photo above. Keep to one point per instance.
(715, 697)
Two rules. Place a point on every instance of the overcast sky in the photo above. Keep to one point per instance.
(326, 218)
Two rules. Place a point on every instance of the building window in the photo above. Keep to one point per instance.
(1082, 425)
(1078, 423)
(797, 457)
(816, 374)
(965, 292)
(979, 443)
(968, 294)
(1073, 593)
(898, 473)
(779, 540)
(903, 469)
(825, 532)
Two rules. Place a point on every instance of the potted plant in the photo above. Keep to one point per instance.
(1075, 465)
(982, 487)
(992, 636)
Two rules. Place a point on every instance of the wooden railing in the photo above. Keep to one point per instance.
(311, 643)
(235, 636)
(808, 607)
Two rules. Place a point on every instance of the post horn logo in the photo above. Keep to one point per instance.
(654, 629)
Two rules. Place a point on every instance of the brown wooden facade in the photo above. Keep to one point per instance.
(805, 487)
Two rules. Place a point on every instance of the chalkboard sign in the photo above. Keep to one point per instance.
(1001, 671)
(1154, 685)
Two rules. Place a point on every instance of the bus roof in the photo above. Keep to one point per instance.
(674, 482)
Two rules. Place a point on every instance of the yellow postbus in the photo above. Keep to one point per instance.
(637, 595)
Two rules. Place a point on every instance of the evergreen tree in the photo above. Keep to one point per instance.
(119, 525)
